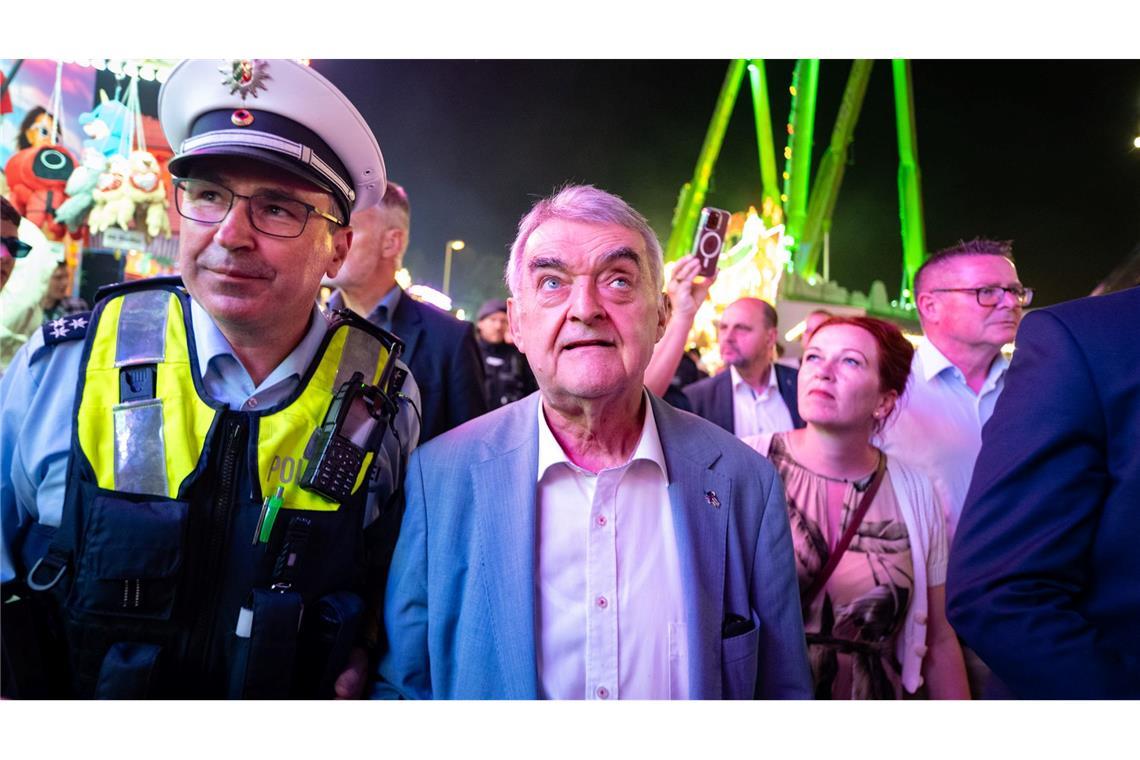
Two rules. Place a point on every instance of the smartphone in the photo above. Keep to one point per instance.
(709, 240)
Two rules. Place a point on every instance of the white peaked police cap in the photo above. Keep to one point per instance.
(277, 111)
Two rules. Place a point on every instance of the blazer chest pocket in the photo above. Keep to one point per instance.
(131, 556)
(739, 656)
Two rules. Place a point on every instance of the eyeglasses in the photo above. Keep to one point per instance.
(991, 295)
(200, 200)
(17, 248)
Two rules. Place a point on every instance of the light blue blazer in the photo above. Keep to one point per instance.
(460, 603)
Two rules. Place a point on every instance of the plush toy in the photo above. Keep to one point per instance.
(106, 126)
(80, 184)
(113, 206)
(146, 189)
(37, 178)
(158, 219)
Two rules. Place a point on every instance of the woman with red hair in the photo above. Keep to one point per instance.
(869, 536)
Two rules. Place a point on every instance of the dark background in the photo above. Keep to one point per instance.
(1039, 152)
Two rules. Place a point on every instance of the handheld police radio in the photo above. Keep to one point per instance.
(354, 423)
(349, 431)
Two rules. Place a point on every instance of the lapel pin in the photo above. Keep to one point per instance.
(710, 497)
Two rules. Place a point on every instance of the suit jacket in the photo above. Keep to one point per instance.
(460, 606)
(445, 361)
(712, 397)
(1044, 576)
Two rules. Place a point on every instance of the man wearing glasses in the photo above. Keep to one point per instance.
(969, 304)
(14, 248)
(208, 479)
(20, 313)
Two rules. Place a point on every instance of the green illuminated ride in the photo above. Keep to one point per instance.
(807, 208)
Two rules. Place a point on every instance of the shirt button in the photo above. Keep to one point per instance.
(602, 520)
(601, 602)
(920, 618)
(602, 692)
(920, 650)
(252, 403)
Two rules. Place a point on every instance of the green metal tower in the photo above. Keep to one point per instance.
(805, 206)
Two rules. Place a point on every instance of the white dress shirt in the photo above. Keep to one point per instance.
(756, 412)
(938, 427)
(610, 610)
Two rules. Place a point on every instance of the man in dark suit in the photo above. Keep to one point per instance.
(440, 349)
(754, 395)
(1044, 576)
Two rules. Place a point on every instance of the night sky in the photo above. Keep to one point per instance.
(1039, 152)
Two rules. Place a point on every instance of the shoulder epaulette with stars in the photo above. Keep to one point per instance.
(71, 327)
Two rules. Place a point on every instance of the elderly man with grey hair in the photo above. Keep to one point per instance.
(590, 541)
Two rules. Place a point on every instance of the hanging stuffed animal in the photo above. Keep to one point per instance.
(107, 126)
(79, 187)
(158, 218)
(113, 206)
(148, 192)
(37, 178)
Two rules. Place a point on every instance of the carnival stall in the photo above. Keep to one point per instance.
(84, 159)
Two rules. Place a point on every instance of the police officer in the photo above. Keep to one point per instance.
(507, 376)
(203, 475)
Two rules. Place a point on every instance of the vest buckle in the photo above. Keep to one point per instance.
(54, 562)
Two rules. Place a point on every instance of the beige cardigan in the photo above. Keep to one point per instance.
(926, 529)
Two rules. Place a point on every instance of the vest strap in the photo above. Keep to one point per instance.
(140, 345)
(292, 552)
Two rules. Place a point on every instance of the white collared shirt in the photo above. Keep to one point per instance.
(609, 602)
(938, 426)
(756, 412)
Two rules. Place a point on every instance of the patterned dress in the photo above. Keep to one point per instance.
(853, 623)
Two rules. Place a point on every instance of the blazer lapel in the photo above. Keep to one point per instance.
(504, 503)
(407, 326)
(700, 499)
(787, 380)
(723, 403)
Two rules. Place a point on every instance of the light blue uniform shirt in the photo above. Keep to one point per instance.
(37, 408)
